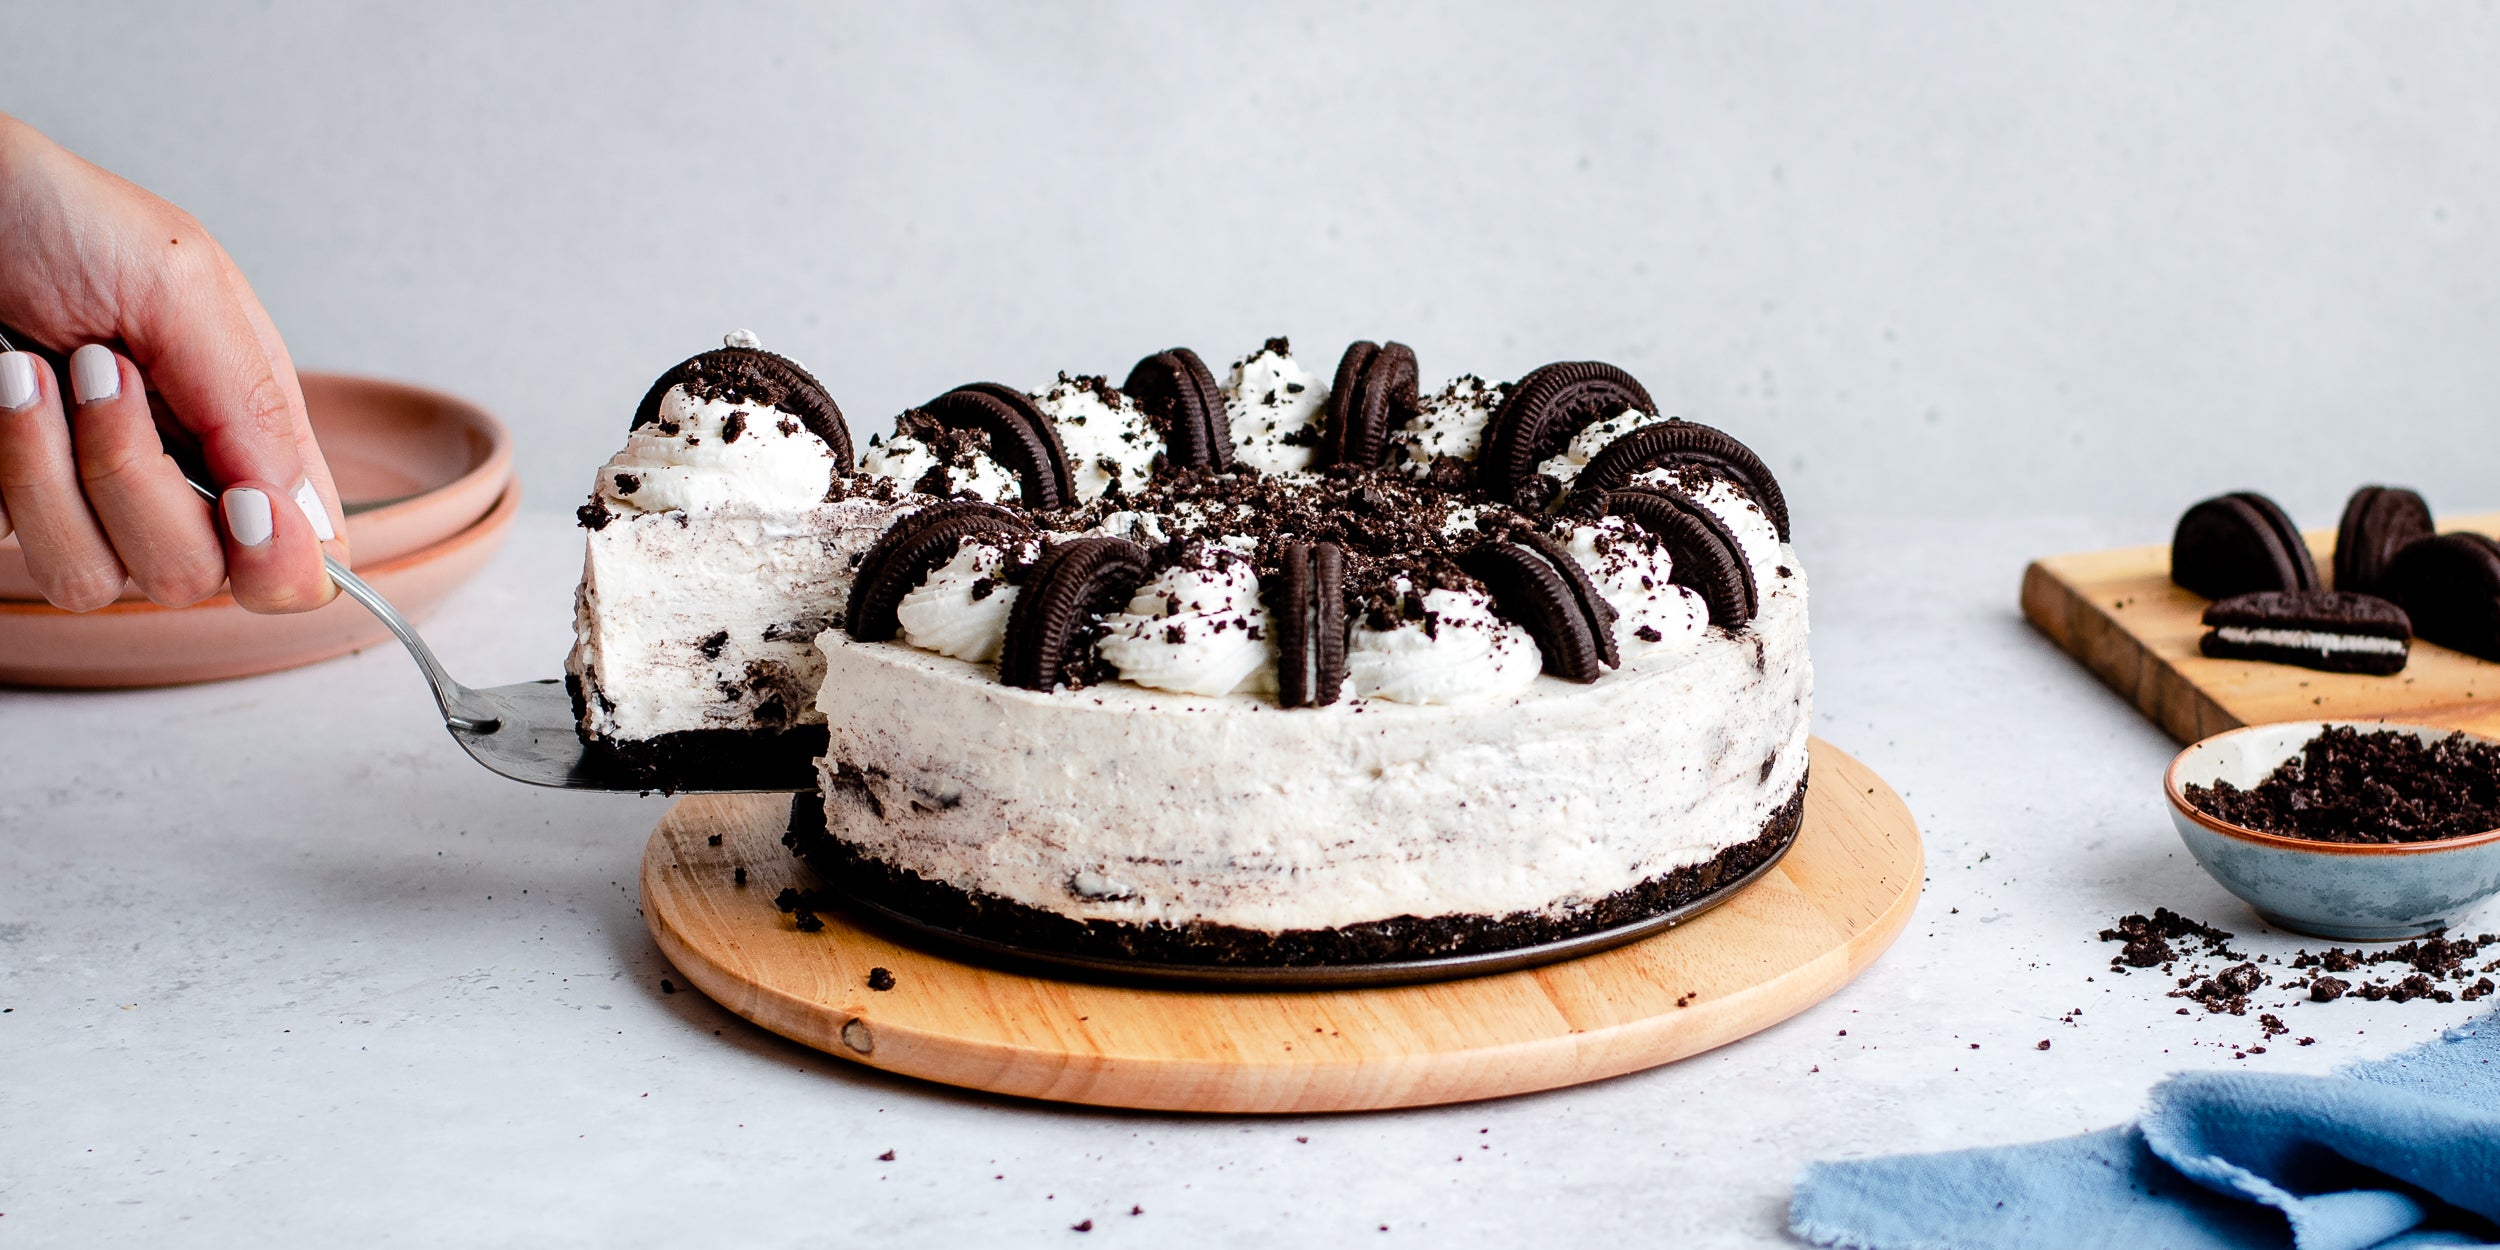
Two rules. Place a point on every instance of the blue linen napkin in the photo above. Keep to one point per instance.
(2398, 1154)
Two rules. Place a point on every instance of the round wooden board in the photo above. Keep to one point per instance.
(1844, 891)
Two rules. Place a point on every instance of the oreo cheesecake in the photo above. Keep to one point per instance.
(1276, 664)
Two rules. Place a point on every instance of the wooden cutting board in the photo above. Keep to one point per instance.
(1817, 919)
(2118, 613)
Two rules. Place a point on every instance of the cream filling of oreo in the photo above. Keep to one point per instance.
(907, 460)
(708, 619)
(1195, 629)
(1272, 407)
(1107, 443)
(2310, 640)
(702, 454)
(1449, 422)
(1141, 806)
(1459, 653)
(961, 608)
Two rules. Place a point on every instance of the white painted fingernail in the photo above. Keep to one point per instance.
(94, 375)
(17, 381)
(248, 517)
(310, 501)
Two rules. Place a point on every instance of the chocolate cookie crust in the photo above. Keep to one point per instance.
(998, 919)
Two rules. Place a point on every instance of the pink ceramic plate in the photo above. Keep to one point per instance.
(413, 467)
(141, 644)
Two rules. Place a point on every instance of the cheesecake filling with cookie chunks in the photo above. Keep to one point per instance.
(716, 539)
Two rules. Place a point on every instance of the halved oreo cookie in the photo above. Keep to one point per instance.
(2328, 630)
(1022, 438)
(909, 550)
(1307, 602)
(1537, 584)
(2379, 521)
(2450, 586)
(1050, 628)
(1181, 398)
(2239, 544)
(1375, 391)
(1707, 558)
(1541, 416)
(751, 375)
(1682, 442)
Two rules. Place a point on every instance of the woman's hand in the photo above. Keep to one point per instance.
(143, 299)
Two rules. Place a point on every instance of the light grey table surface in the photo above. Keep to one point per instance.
(278, 961)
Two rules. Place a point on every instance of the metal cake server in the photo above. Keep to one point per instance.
(526, 731)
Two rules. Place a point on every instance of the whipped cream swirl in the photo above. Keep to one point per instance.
(1450, 423)
(698, 455)
(1272, 407)
(1632, 573)
(962, 471)
(1195, 628)
(1111, 444)
(961, 610)
(1458, 652)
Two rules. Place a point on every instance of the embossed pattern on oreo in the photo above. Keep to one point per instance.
(753, 375)
(910, 549)
(1375, 391)
(1537, 585)
(1180, 396)
(1021, 437)
(1705, 554)
(1050, 630)
(2378, 523)
(1542, 414)
(1680, 443)
(1307, 603)
(2239, 544)
(2450, 587)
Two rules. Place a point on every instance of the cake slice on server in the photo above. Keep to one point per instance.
(721, 542)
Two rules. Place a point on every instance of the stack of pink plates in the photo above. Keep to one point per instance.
(426, 480)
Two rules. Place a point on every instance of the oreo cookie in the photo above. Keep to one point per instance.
(1536, 583)
(1051, 628)
(751, 375)
(1680, 443)
(1022, 437)
(2329, 630)
(2238, 544)
(1540, 417)
(910, 549)
(2450, 586)
(1181, 398)
(1707, 558)
(2379, 521)
(1307, 602)
(1375, 392)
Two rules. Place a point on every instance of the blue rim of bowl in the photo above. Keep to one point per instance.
(2178, 801)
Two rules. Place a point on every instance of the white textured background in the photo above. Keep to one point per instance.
(1930, 259)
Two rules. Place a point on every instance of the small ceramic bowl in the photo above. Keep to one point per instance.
(2364, 892)
(413, 468)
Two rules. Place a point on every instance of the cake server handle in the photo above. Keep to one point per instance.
(462, 709)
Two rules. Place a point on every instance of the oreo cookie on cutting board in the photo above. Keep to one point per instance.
(2239, 544)
(2379, 522)
(2333, 631)
(2450, 586)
